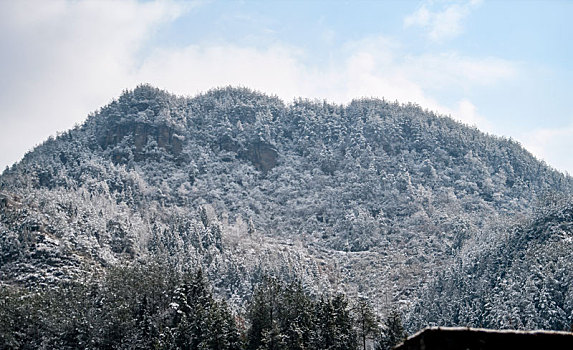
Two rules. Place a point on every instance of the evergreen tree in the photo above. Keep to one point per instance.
(286, 317)
(366, 322)
(393, 332)
(263, 313)
(296, 317)
(335, 325)
(20, 321)
(221, 331)
(272, 338)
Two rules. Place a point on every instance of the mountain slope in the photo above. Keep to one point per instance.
(521, 279)
(370, 197)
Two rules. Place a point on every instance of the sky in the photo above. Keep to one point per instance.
(505, 67)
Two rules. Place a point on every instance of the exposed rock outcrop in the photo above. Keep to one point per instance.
(263, 155)
(142, 134)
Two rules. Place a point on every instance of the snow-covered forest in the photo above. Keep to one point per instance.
(152, 306)
(407, 211)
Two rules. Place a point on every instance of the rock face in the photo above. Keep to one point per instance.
(260, 153)
(263, 155)
(141, 135)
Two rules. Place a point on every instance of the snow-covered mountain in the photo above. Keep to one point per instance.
(370, 198)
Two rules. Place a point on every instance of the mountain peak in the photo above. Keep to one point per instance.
(144, 92)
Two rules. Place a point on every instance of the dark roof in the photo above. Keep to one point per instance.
(438, 338)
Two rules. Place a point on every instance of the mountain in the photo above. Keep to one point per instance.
(371, 198)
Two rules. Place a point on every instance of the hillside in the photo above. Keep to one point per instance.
(371, 197)
(521, 279)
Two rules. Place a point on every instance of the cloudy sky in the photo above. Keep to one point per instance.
(503, 66)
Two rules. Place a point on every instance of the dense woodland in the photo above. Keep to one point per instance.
(374, 200)
(523, 279)
(154, 307)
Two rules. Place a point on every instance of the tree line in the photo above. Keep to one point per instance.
(154, 307)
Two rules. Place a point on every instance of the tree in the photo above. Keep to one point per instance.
(296, 317)
(221, 330)
(366, 322)
(263, 312)
(335, 329)
(393, 332)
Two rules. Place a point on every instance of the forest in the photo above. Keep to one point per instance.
(154, 307)
(424, 219)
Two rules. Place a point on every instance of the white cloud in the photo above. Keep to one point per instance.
(451, 69)
(194, 69)
(467, 113)
(554, 145)
(444, 24)
(61, 60)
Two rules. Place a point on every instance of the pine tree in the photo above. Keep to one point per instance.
(335, 329)
(220, 332)
(193, 307)
(296, 318)
(272, 338)
(393, 333)
(263, 312)
(366, 322)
